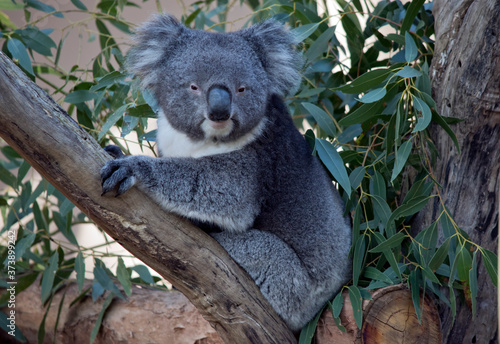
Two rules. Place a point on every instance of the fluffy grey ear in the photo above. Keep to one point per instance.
(152, 42)
(274, 46)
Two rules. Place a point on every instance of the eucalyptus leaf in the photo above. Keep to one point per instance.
(490, 261)
(411, 51)
(402, 155)
(392, 242)
(366, 81)
(78, 4)
(117, 115)
(48, 277)
(105, 281)
(18, 51)
(322, 118)
(373, 95)
(337, 304)
(356, 302)
(408, 72)
(302, 32)
(473, 284)
(424, 121)
(333, 162)
(411, 13)
(97, 326)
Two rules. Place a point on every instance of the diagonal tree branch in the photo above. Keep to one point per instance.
(57, 147)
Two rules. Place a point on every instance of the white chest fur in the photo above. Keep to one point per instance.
(175, 144)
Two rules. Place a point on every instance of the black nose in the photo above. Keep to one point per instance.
(219, 104)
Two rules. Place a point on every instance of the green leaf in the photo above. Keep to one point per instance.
(143, 111)
(442, 123)
(124, 277)
(18, 51)
(373, 95)
(38, 41)
(80, 271)
(491, 263)
(378, 185)
(24, 244)
(117, 115)
(415, 282)
(375, 274)
(402, 155)
(302, 32)
(408, 209)
(337, 304)
(440, 255)
(464, 264)
(6, 326)
(10, 5)
(410, 15)
(308, 331)
(103, 279)
(473, 284)
(356, 176)
(80, 96)
(48, 277)
(333, 162)
(320, 45)
(358, 258)
(381, 210)
(411, 51)
(408, 72)
(356, 302)
(430, 275)
(65, 227)
(144, 273)
(428, 241)
(392, 242)
(363, 113)
(78, 4)
(424, 121)
(453, 304)
(7, 177)
(41, 327)
(43, 7)
(98, 322)
(322, 118)
(365, 81)
(108, 80)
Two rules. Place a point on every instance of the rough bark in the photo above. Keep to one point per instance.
(147, 316)
(38, 129)
(465, 76)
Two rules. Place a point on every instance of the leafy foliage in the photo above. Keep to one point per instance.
(364, 106)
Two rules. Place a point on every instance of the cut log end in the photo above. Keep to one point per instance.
(389, 317)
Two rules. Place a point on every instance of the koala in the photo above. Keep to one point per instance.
(232, 161)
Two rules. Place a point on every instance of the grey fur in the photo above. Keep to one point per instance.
(277, 213)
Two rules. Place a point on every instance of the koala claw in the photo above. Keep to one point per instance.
(116, 175)
(114, 151)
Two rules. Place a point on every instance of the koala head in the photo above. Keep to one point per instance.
(214, 85)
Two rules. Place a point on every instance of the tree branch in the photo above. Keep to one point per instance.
(60, 150)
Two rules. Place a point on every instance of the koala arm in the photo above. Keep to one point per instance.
(219, 189)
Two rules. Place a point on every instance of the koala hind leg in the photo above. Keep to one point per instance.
(278, 272)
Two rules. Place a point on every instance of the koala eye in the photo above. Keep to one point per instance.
(194, 87)
(241, 89)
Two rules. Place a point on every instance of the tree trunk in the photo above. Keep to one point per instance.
(38, 129)
(465, 76)
(147, 316)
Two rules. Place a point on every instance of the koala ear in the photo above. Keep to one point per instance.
(152, 42)
(274, 46)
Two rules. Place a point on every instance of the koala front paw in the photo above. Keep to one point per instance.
(117, 174)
